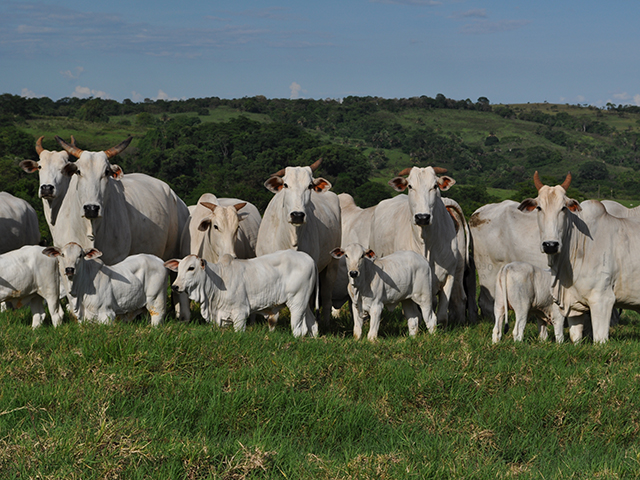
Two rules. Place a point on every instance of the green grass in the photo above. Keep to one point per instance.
(193, 401)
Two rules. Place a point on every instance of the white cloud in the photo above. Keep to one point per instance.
(295, 90)
(636, 99)
(26, 93)
(164, 96)
(621, 96)
(581, 98)
(136, 97)
(85, 92)
(69, 75)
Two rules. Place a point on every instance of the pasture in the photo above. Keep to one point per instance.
(191, 401)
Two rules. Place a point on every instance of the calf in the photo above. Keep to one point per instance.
(401, 277)
(28, 278)
(231, 290)
(526, 289)
(99, 292)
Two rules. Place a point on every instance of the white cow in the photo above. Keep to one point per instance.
(420, 222)
(305, 216)
(118, 214)
(18, 223)
(219, 226)
(526, 289)
(231, 290)
(374, 283)
(99, 292)
(28, 278)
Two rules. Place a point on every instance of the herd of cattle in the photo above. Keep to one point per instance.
(118, 240)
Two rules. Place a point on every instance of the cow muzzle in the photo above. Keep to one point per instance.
(91, 211)
(422, 219)
(297, 218)
(176, 288)
(354, 273)
(47, 191)
(69, 271)
(550, 248)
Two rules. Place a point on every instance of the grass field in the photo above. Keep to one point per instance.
(189, 401)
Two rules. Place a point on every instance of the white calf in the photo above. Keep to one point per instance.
(28, 278)
(99, 292)
(526, 289)
(374, 283)
(231, 290)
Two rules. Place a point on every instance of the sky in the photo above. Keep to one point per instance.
(510, 51)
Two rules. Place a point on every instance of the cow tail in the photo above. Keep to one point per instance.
(317, 290)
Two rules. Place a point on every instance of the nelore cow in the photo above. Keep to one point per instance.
(27, 278)
(233, 289)
(403, 277)
(526, 289)
(305, 216)
(591, 256)
(99, 292)
(18, 223)
(420, 222)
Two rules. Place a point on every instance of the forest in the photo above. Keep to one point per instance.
(230, 147)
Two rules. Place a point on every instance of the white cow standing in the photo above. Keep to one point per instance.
(28, 278)
(18, 223)
(233, 289)
(526, 289)
(420, 222)
(305, 216)
(99, 292)
(375, 283)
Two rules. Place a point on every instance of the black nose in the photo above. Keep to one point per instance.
(69, 271)
(297, 218)
(46, 191)
(91, 211)
(422, 219)
(353, 273)
(175, 288)
(550, 247)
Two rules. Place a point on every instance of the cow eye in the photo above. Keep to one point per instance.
(409, 187)
(191, 268)
(311, 186)
(78, 172)
(216, 227)
(284, 185)
(538, 208)
(107, 172)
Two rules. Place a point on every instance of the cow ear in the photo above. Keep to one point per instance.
(399, 184)
(445, 183)
(321, 185)
(69, 169)
(90, 253)
(172, 264)
(337, 253)
(274, 184)
(203, 263)
(116, 172)
(370, 254)
(204, 225)
(52, 252)
(573, 205)
(528, 205)
(29, 166)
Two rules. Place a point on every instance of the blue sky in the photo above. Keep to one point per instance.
(585, 52)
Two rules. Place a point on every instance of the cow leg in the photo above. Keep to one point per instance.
(239, 321)
(601, 310)
(522, 315)
(558, 327)
(576, 327)
(357, 321)
(327, 280)
(543, 331)
(272, 320)
(500, 313)
(375, 313)
(412, 313)
(310, 320)
(299, 321)
(444, 297)
(55, 309)
(37, 311)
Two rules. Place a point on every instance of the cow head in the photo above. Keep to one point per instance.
(295, 184)
(424, 187)
(554, 209)
(94, 172)
(71, 259)
(190, 272)
(221, 226)
(355, 256)
(54, 180)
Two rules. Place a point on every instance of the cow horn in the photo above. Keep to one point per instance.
(73, 141)
(209, 205)
(536, 181)
(113, 151)
(39, 148)
(567, 182)
(440, 170)
(70, 149)
(406, 171)
(316, 164)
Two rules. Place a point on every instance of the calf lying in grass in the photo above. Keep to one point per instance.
(374, 283)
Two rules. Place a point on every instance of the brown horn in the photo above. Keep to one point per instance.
(567, 182)
(536, 181)
(406, 171)
(316, 164)
(440, 170)
(73, 141)
(279, 173)
(113, 151)
(210, 206)
(71, 150)
(39, 148)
